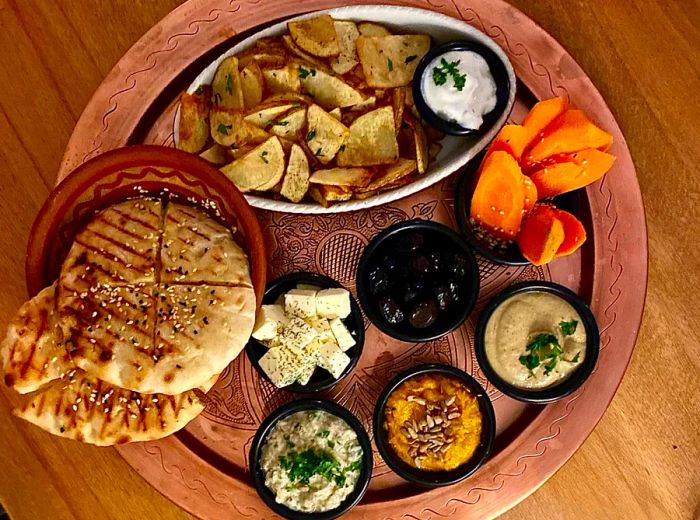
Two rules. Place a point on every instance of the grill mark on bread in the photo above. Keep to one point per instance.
(102, 220)
(132, 218)
(121, 245)
(114, 258)
(41, 328)
(191, 229)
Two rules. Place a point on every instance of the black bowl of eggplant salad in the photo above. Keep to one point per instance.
(308, 334)
(311, 460)
(461, 88)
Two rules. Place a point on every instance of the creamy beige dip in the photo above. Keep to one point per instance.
(311, 439)
(517, 322)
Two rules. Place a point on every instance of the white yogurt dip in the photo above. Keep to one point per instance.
(311, 461)
(458, 87)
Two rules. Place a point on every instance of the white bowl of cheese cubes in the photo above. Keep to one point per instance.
(308, 334)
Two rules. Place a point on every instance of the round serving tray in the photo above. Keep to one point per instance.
(204, 468)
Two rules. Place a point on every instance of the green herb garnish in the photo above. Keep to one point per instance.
(331, 444)
(544, 348)
(281, 123)
(311, 135)
(410, 58)
(262, 156)
(223, 129)
(575, 358)
(568, 327)
(199, 90)
(304, 73)
(389, 64)
(302, 466)
(324, 433)
(450, 69)
(229, 84)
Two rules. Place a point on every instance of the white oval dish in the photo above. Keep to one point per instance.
(442, 29)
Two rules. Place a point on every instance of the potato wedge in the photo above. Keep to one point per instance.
(193, 132)
(390, 174)
(336, 112)
(289, 97)
(328, 90)
(216, 154)
(252, 83)
(368, 104)
(398, 102)
(420, 141)
(266, 59)
(284, 79)
(390, 61)
(325, 134)
(326, 194)
(346, 60)
(297, 51)
(372, 140)
(295, 183)
(372, 29)
(316, 35)
(263, 116)
(348, 177)
(290, 125)
(228, 128)
(226, 86)
(237, 153)
(260, 169)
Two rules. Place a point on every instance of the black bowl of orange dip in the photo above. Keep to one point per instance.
(434, 425)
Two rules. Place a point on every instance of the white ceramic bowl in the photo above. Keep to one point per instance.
(454, 154)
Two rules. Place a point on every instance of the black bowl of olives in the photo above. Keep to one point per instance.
(417, 280)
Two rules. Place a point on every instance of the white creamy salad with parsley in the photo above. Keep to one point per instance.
(311, 461)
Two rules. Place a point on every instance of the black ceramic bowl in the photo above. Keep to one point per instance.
(321, 379)
(259, 477)
(384, 243)
(500, 76)
(436, 478)
(509, 255)
(576, 379)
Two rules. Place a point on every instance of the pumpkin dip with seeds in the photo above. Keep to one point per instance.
(433, 422)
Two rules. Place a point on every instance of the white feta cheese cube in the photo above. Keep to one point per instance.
(331, 358)
(342, 335)
(300, 302)
(281, 365)
(296, 335)
(333, 303)
(322, 327)
(309, 358)
(268, 321)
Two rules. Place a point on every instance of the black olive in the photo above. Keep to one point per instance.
(424, 314)
(420, 266)
(412, 290)
(390, 310)
(443, 296)
(378, 280)
(460, 265)
(390, 262)
(438, 261)
(409, 242)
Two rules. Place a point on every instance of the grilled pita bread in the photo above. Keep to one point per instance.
(196, 248)
(33, 353)
(91, 411)
(119, 246)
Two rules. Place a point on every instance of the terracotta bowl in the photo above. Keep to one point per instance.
(127, 172)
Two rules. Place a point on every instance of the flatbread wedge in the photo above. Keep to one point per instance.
(193, 132)
(390, 61)
(325, 134)
(315, 35)
(259, 169)
(296, 179)
(372, 140)
(196, 248)
(94, 412)
(33, 352)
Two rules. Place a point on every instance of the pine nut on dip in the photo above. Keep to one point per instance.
(459, 87)
(433, 422)
(535, 340)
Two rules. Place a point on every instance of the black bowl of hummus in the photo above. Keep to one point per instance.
(461, 88)
(537, 341)
(311, 460)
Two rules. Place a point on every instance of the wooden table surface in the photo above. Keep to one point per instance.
(642, 461)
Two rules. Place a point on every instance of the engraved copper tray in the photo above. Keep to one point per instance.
(203, 468)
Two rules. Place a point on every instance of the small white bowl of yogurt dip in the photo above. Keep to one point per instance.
(461, 88)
